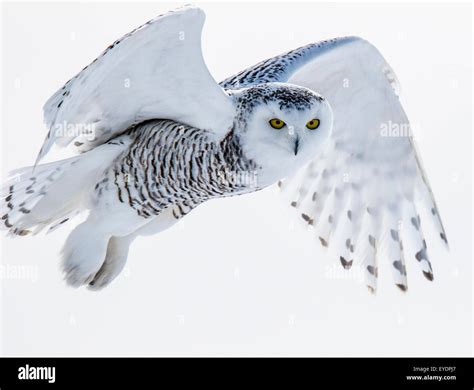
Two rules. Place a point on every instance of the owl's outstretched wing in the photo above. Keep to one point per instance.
(363, 195)
(155, 71)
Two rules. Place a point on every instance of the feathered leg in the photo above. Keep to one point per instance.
(84, 252)
(115, 260)
(117, 249)
(85, 249)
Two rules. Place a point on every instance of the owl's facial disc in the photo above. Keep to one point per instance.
(286, 127)
(279, 124)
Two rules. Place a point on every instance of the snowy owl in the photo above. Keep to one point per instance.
(154, 136)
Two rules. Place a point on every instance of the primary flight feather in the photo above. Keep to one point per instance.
(156, 136)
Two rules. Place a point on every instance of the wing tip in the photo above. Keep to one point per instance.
(428, 275)
(402, 287)
(372, 289)
(346, 264)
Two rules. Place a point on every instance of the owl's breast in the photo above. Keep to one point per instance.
(172, 165)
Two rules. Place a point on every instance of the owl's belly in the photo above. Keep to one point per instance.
(171, 166)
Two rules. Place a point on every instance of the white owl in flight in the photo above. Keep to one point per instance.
(155, 136)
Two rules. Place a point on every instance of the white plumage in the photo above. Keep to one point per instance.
(136, 78)
(157, 136)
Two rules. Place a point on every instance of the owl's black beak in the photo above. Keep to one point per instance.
(297, 145)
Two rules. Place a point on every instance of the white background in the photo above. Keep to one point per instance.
(235, 277)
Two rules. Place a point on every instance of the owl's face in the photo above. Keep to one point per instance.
(282, 127)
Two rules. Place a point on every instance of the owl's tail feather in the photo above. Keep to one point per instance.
(32, 199)
(48, 195)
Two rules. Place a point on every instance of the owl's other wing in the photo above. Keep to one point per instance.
(364, 194)
(155, 71)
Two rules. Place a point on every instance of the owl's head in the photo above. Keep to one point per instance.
(281, 127)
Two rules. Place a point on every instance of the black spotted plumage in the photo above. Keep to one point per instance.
(139, 168)
(278, 68)
(172, 165)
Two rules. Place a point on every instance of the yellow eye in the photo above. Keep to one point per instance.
(313, 124)
(276, 123)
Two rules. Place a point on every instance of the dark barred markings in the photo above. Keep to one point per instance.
(286, 96)
(172, 165)
(277, 69)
